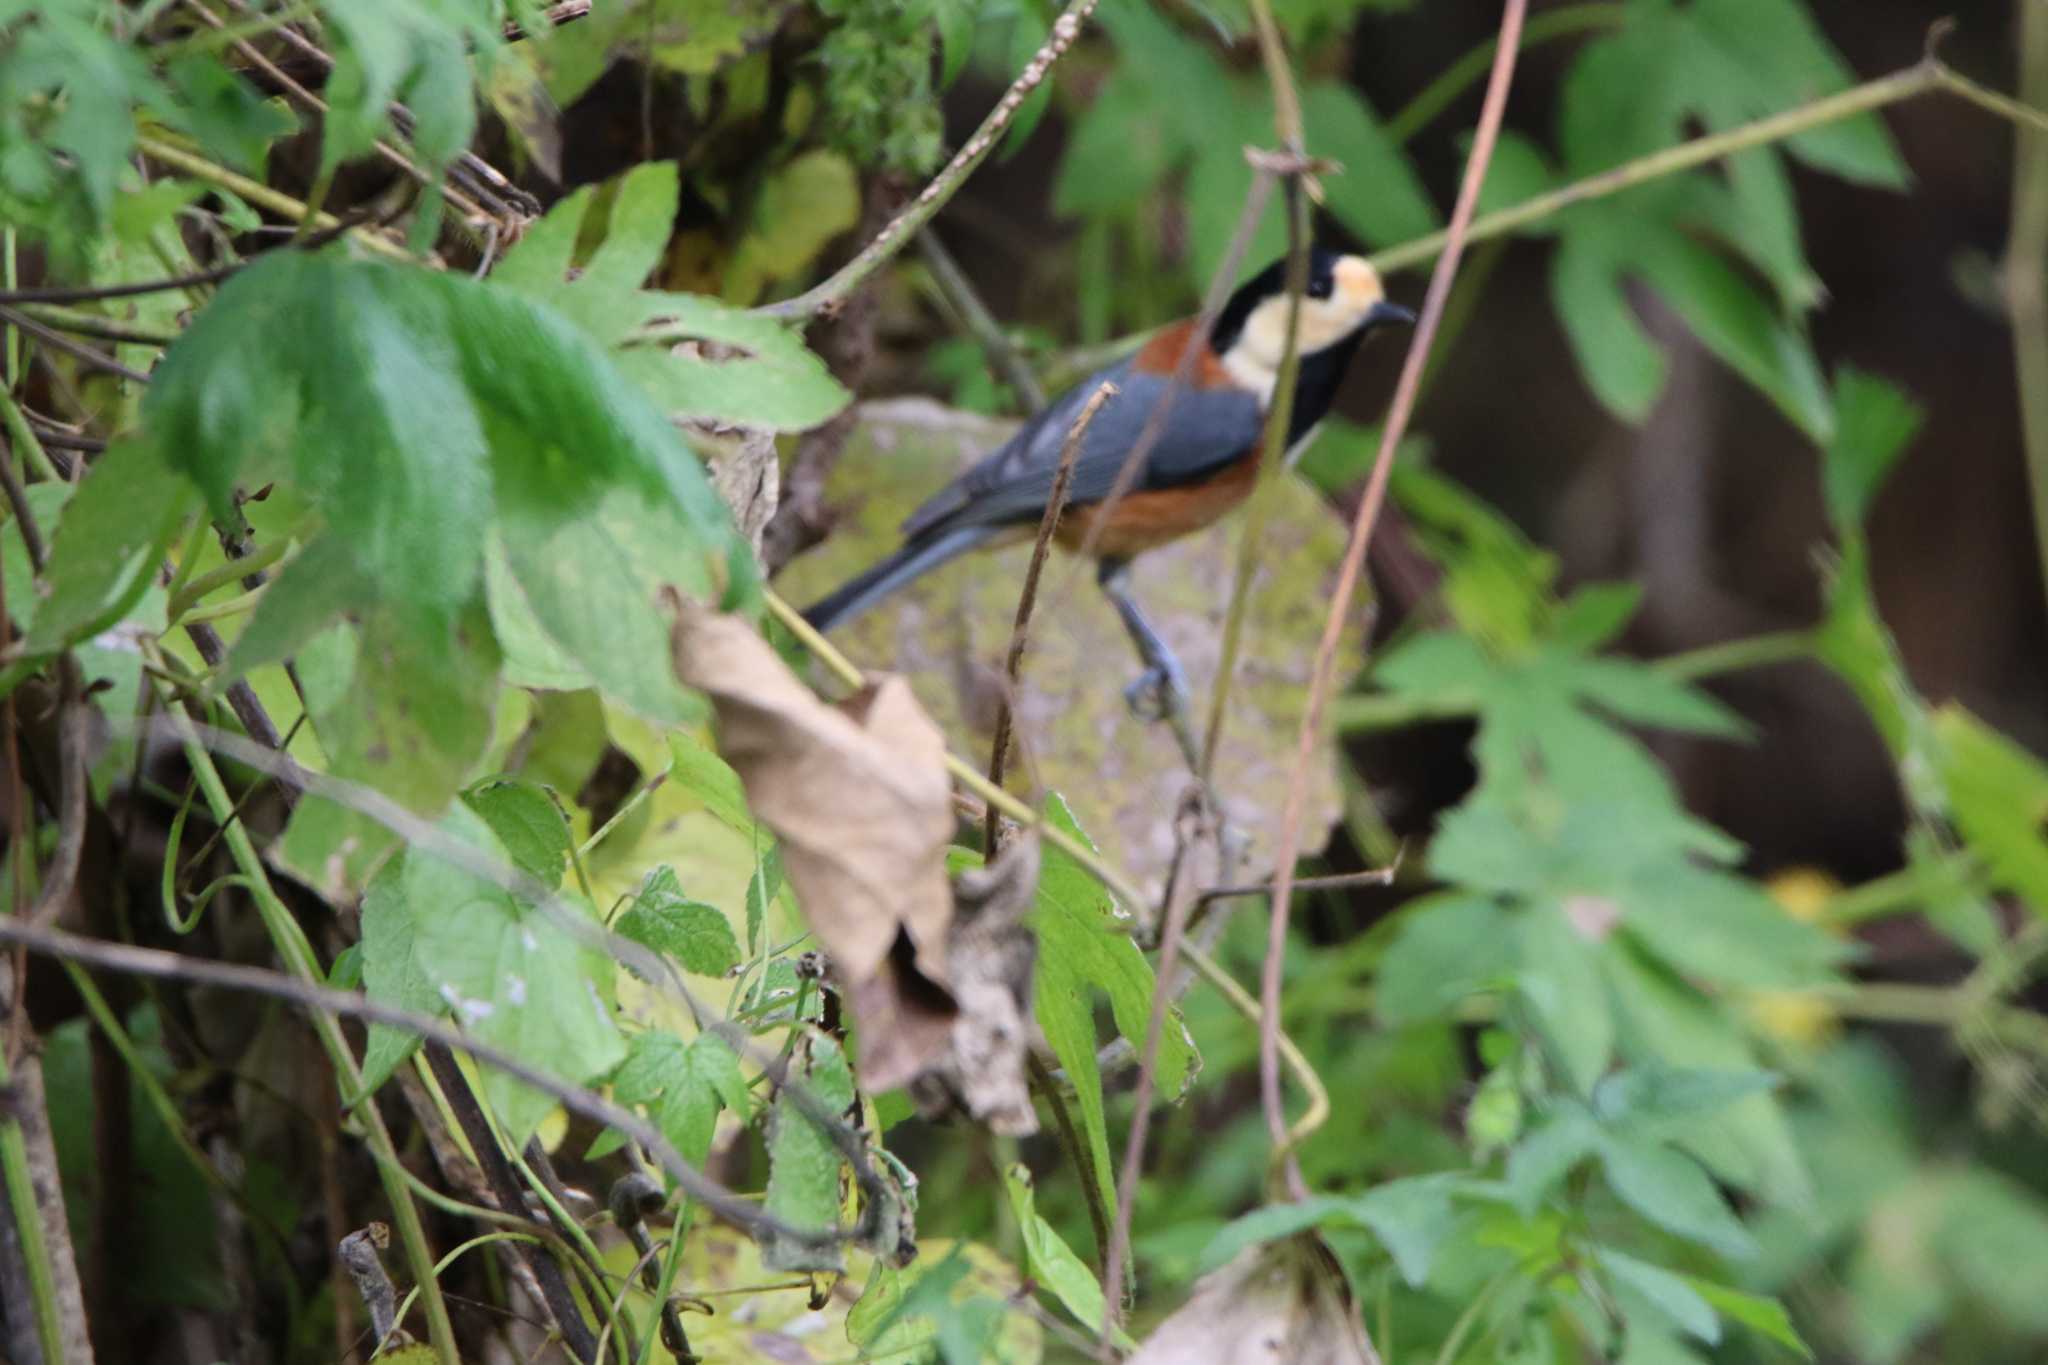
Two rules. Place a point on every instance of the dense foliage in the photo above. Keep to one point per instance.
(383, 377)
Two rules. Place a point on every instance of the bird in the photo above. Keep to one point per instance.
(1202, 464)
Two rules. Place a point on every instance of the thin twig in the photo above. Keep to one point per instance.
(1440, 93)
(93, 325)
(307, 995)
(556, 1295)
(896, 235)
(92, 293)
(958, 291)
(1495, 106)
(1013, 660)
(479, 216)
(421, 836)
(1917, 79)
(78, 350)
(2026, 285)
(1342, 881)
(263, 196)
(1175, 916)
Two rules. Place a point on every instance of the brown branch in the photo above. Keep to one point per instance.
(421, 836)
(1347, 583)
(554, 1285)
(78, 350)
(1013, 661)
(577, 1099)
(958, 292)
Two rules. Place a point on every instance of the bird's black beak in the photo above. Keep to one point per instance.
(1383, 313)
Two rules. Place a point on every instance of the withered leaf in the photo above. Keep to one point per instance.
(858, 795)
(1284, 1300)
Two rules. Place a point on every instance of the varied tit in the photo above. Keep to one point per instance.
(1203, 463)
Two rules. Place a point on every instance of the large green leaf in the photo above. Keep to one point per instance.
(410, 406)
(684, 1086)
(716, 363)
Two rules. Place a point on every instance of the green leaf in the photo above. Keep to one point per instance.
(511, 975)
(699, 771)
(1271, 1223)
(1448, 946)
(799, 208)
(1669, 1188)
(1559, 976)
(1639, 694)
(684, 1085)
(1991, 1234)
(1670, 1296)
(388, 50)
(1874, 423)
(721, 364)
(1566, 1136)
(1595, 614)
(1083, 948)
(528, 823)
(411, 405)
(113, 535)
(225, 113)
(1412, 1218)
(1518, 173)
(403, 703)
(1765, 1316)
(1378, 195)
(803, 1164)
(1999, 793)
(1052, 1263)
(1624, 368)
(1660, 1095)
(695, 934)
(622, 553)
(392, 973)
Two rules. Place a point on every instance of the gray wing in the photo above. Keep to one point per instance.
(1202, 431)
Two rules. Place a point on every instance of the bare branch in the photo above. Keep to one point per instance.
(1410, 383)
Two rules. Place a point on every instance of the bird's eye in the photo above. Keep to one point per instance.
(1319, 288)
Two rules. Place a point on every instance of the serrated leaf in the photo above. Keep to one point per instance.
(389, 50)
(695, 934)
(528, 823)
(803, 1163)
(684, 1086)
(511, 975)
(1084, 948)
(1566, 1136)
(718, 363)
(408, 405)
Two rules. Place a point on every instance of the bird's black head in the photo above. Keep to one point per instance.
(1344, 297)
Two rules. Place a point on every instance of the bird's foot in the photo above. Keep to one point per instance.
(1159, 693)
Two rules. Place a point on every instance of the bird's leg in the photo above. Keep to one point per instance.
(1161, 691)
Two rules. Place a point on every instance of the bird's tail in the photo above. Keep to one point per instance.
(910, 562)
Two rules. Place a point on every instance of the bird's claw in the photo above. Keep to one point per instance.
(1157, 694)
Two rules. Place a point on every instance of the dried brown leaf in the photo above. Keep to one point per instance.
(1279, 1301)
(859, 797)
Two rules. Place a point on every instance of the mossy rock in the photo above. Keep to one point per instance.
(1124, 778)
